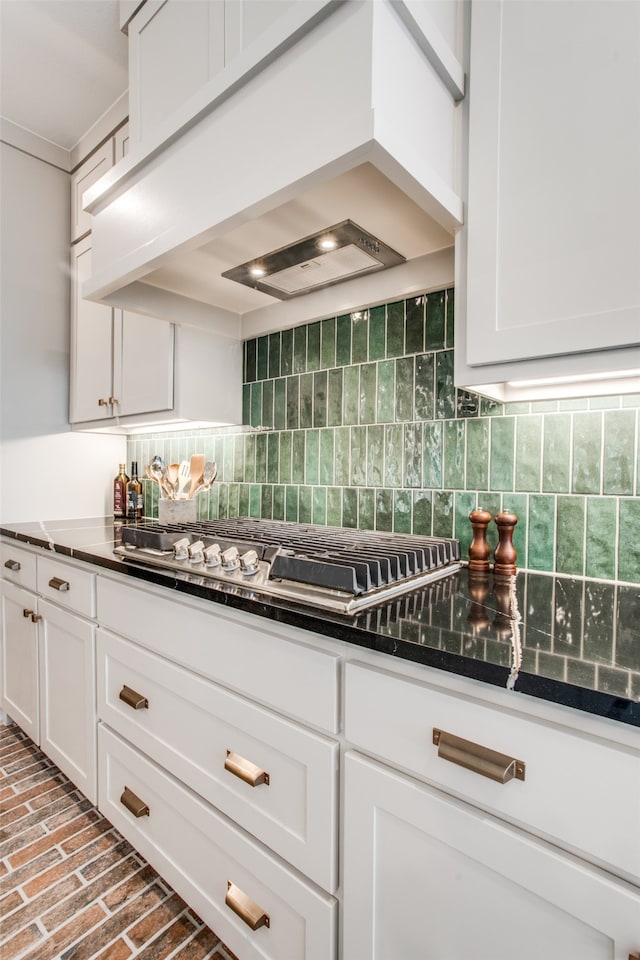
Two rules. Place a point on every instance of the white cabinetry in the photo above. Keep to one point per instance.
(48, 659)
(90, 171)
(554, 194)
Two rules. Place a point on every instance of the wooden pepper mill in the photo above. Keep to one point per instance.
(505, 556)
(479, 550)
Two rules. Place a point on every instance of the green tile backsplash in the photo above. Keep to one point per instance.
(354, 421)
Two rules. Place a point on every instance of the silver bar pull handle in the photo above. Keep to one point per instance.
(12, 565)
(473, 756)
(245, 770)
(242, 905)
(134, 804)
(57, 583)
(133, 699)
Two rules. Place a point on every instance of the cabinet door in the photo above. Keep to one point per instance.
(91, 346)
(20, 658)
(143, 376)
(85, 176)
(67, 695)
(554, 192)
(429, 876)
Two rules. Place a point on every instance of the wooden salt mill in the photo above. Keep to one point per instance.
(479, 550)
(505, 556)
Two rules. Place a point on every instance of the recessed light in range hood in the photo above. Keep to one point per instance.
(328, 257)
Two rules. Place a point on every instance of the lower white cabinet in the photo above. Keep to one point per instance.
(259, 907)
(20, 686)
(426, 875)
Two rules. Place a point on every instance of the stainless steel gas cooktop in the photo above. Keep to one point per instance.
(333, 568)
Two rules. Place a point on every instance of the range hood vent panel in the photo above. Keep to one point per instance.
(308, 265)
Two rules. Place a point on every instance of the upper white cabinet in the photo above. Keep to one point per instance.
(90, 171)
(552, 236)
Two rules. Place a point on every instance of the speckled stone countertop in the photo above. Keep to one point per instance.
(566, 640)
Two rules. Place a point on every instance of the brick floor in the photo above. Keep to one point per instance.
(71, 887)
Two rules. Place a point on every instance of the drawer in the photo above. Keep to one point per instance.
(200, 853)
(18, 565)
(577, 791)
(67, 585)
(238, 650)
(201, 732)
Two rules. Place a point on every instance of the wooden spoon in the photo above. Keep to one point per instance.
(172, 478)
(197, 468)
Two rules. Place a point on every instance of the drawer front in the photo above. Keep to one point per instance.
(201, 854)
(579, 792)
(18, 565)
(238, 650)
(67, 586)
(210, 739)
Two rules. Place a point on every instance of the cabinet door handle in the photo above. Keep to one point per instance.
(473, 756)
(133, 699)
(12, 564)
(245, 770)
(57, 583)
(113, 400)
(249, 911)
(36, 618)
(102, 402)
(134, 804)
(27, 613)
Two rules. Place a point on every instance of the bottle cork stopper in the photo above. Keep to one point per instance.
(505, 556)
(479, 550)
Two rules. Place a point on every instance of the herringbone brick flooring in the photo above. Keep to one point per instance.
(71, 887)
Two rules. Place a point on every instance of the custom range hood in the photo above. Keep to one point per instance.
(369, 161)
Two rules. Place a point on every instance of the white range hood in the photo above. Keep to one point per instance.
(341, 112)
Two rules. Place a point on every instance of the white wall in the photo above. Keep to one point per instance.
(46, 471)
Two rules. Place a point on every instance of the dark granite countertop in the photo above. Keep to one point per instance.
(566, 640)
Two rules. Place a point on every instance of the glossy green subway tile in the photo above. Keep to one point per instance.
(432, 454)
(249, 458)
(491, 408)
(393, 455)
(415, 324)
(304, 504)
(234, 499)
(306, 400)
(422, 512)
(223, 500)
(366, 509)
(601, 523)
(293, 403)
(320, 380)
(278, 502)
(424, 399)
(464, 503)
(467, 404)
(256, 405)
(291, 504)
(413, 452)
(443, 513)
(238, 458)
(214, 502)
(513, 408)
(243, 501)
(402, 511)
(358, 456)
(368, 380)
(556, 453)
(384, 509)
(319, 505)
(351, 395)
(395, 329)
(284, 461)
(377, 333)
(312, 456)
(342, 456)
(450, 318)
(573, 404)
(286, 352)
(227, 461)
(313, 346)
(274, 355)
(386, 387)
(619, 443)
(266, 502)
(298, 456)
(280, 404)
(542, 524)
(502, 453)
(299, 349)
(528, 453)
(350, 507)
(334, 397)
(204, 505)
(328, 343)
(262, 366)
(255, 495)
(599, 622)
(570, 535)
(375, 456)
(261, 458)
(250, 358)
(604, 403)
(246, 404)
(334, 506)
(267, 403)
(628, 540)
(360, 336)
(404, 376)
(454, 454)
(587, 452)
(477, 454)
(327, 456)
(343, 340)
(518, 503)
(445, 404)
(273, 457)
(436, 317)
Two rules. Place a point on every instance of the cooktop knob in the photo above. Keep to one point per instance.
(249, 562)
(196, 554)
(230, 559)
(181, 549)
(212, 556)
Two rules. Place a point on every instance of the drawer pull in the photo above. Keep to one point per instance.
(133, 699)
(27, 613)
(245, 770)
(12, 564)
(56, 583)
(249, 911)
(473, 756)
(134, 804)
(36, 618)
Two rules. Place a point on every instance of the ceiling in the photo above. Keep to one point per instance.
(63, 63)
